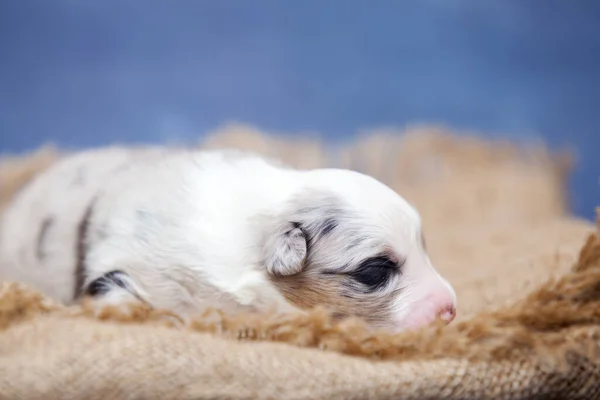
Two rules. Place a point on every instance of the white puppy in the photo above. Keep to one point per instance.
(184, 230)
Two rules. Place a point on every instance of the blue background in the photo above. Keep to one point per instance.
(85, 73)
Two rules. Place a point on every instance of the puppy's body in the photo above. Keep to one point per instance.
(148, 207)
(185, 230)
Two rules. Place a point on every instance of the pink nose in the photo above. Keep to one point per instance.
(448, 313)
(426, 313)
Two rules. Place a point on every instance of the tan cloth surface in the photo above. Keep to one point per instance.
(497, 228)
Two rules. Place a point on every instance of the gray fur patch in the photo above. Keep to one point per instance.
(41, 237)
(81, 250)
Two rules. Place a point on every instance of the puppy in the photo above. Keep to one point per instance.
(184, 230)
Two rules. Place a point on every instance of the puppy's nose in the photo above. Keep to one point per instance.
(447, 313)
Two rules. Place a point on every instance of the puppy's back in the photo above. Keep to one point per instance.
(38, 229)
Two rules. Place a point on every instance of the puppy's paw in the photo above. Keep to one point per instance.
(116, 304)
(115, 297)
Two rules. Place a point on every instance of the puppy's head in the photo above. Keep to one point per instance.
(348, 242)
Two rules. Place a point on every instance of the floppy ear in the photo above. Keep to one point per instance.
(306, 218)
(285, 250)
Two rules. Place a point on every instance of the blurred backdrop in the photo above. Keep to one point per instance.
(83, 73)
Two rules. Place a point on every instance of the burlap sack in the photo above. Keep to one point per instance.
(527, 276)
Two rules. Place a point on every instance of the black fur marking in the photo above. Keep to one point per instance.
(309, 241)
(328, 226)
(106, 282)
(329, 272)
(375, 272)
(41, 238)
(81, 250)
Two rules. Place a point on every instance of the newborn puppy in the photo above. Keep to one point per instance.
(185, 229)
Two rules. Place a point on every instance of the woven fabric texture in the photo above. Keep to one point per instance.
(527, 276)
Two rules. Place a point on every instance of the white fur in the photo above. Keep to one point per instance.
(194, 229)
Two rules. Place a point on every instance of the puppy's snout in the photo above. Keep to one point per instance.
(438, 304)
(447, 313)
(442, 304)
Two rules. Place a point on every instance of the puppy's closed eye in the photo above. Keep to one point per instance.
(375, 272)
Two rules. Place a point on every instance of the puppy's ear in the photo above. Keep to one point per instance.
(298, 227)
(285, 250)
